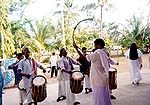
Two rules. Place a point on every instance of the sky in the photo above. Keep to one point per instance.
(122, 9)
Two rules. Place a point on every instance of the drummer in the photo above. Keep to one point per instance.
(84, 68)
(61, 82)
(14, 66)
(111, 62)
(28, 69)
(66, 65)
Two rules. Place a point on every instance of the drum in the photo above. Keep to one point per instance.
(112, 78)
(76, 82)
(21, 85)
(39, 92)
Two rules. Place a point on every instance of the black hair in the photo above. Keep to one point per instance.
(83, 48)
(19, 54)
(133, 54)
(53, 53)
(61, 51)
(99, 42)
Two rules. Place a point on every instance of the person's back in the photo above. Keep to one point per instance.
(53, 60)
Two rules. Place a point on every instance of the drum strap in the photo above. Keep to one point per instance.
(34, 68)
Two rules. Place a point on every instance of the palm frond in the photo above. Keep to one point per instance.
(89, 7)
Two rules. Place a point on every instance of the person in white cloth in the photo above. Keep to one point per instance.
(61, 82)
(27, 67)
(134, 56)
(53, 61)
(99, 74)
(66, 66)
(84, 68)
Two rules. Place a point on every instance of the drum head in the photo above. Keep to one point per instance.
(112, 69)
(77, 75)
(21, 85)
(39, 80)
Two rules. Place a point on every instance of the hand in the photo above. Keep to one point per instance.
(62, 70)
(69, 72)
(93, 50)
(28, 76)
(141, 66)
(44, 71)
(75, 46)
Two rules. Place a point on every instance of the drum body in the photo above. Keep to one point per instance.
(39, 92)
(76, 82)
(112, 78)
(21, 85)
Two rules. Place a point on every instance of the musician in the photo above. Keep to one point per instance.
(112, 63)
(14, 66)
(84, 67)
(1, 85)
(66, 65)
(99, 74)
(28, 69)
(61, 82)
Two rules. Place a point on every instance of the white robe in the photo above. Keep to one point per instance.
(99, 77)
(61, 82)
(135, 66)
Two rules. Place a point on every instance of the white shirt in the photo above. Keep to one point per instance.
(99, 68)
(53, 60)
(3, 69)
(26, 66)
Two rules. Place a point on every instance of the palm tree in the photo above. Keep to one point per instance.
(69, 19)
(5, 30)
(134, 33)
(41, 32)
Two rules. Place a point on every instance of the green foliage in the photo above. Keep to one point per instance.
(5, 30)
(135, 32)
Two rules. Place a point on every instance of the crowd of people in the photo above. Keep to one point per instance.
(94, 66)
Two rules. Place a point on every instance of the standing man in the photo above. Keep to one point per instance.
(3, 70)
(61, 82)
(84, 67)
(111, 62)
(1, 85)
(28, 69)
(53, 61)
(99, 74)
(14, 66)
(18, 77)
(66, 65)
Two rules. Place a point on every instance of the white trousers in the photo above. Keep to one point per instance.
(87, 81)
(61, 88)
(22, 96)
(25, 96)
(70, 97)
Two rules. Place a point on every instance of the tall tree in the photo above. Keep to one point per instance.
(5, 30)
(70, 18)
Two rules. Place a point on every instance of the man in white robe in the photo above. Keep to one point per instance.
(66, 65)
(27, 68)
(99, 74)
(61, 82)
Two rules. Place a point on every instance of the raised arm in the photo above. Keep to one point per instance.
(81, 56)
